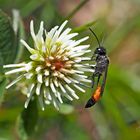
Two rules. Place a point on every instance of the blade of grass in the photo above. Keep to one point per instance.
(74, 11)
(121, 32)
(84, 27)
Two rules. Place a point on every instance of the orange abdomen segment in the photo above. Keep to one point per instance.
(97, 94)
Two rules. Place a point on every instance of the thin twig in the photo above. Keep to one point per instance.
(74, 11)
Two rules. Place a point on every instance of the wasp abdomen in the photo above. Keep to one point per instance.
(90, 103)
(95, 97)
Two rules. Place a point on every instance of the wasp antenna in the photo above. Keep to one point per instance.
(95, 37)
(103, 38)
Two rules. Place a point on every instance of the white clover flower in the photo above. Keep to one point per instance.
(55, 69)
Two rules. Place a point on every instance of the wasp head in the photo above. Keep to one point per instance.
(100, 51)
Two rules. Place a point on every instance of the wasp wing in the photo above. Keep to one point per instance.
(104, 79)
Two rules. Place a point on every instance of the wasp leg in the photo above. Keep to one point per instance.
(93, 79)
(90, 66)
(86, 86)
(93, 58)
(99, 76)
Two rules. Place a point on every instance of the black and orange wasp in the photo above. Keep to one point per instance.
(101, 68)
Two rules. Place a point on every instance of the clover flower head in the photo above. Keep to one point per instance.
(55, 69)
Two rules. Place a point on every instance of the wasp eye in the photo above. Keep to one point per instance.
(100, 51)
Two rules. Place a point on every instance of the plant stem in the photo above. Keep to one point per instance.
(74, 11)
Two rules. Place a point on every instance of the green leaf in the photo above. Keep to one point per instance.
(66, 108)
(2, 88)
(30, 7)
(7, 40)
(27, 121)
(84, 27)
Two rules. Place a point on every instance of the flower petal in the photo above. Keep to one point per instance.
(32, 51)
(15, 81)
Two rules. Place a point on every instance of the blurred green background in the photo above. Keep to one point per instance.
(117, 115)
